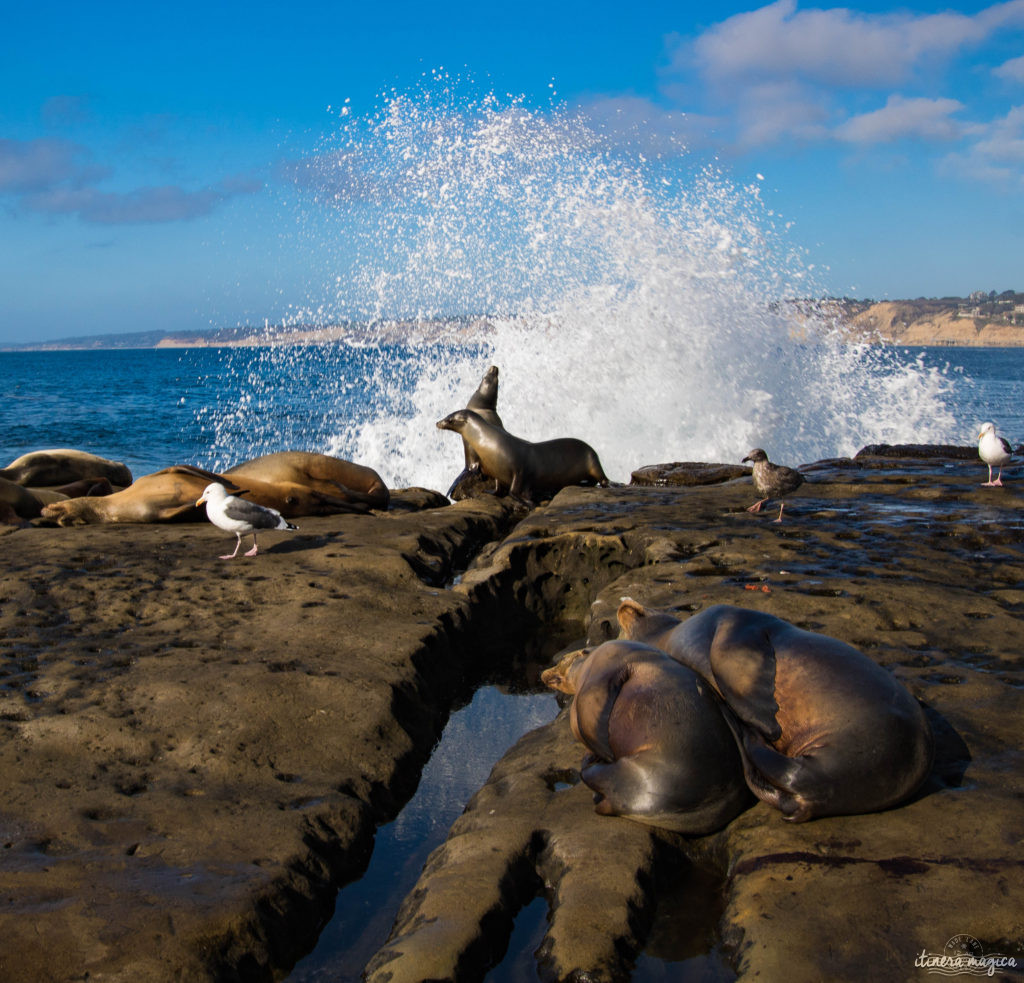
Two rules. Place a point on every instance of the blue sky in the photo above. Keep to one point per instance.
(142, 147)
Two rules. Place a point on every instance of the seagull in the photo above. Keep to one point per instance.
(993, 450)
(239, 516)
(772, 480)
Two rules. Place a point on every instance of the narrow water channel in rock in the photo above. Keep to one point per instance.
(475, 738)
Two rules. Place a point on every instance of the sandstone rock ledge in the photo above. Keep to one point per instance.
(195, 754)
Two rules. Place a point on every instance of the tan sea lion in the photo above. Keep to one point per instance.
(61, 466)
(170, 496)
(661, 751)
(521, 467)
(355, 484)
(823, 729)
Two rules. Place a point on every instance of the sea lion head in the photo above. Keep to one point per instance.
(487, 392)
(454, 421)
(562, 675)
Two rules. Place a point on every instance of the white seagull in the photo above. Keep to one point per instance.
(239, 516)
(993, 449)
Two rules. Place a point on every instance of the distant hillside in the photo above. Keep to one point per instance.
(982, 320)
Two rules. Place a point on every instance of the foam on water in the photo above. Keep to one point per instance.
(630, 298)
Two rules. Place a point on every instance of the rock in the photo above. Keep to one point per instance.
(195, 753)
(687, 473)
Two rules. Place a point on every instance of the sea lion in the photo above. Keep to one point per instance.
(355, 484)
(170, 496)
(823, 729)
(25, 503)
(661, 751)
(521, 467)
(64, 465)
(483, 402)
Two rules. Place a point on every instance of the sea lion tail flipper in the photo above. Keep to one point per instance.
(618, 786)
(773, 777)
(466, 472)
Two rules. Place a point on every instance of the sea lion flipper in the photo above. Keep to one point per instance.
(781, 781)
(470, 469)
(742, 661)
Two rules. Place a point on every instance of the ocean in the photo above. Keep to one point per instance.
(215, 407)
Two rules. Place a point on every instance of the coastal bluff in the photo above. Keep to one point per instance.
(195, 754)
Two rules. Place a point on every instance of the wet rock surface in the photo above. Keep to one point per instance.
(195, 754)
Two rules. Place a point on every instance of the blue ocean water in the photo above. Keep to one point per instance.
(215, 407)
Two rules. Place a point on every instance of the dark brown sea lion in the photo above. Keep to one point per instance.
(61, 466)
(523, 468)
(661, 751)
(170, 496)
(26, 503)
(823, 729)
(484, 402)
(85, 487)
(359, 486)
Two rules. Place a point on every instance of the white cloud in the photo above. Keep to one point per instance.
(997, 155)
(776, 111)
(902, 119)
(836, 47)
(1012, 70)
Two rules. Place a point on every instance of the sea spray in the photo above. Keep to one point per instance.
(635, 300)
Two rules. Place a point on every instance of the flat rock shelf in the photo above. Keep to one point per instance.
(195, 754)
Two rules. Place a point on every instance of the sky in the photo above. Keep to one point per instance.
(146, 150)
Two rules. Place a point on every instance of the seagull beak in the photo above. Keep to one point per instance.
(200, 500)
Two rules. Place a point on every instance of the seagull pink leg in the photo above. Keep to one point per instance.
(756, 507)
(238, 546)
(782, 505)
(251, 552)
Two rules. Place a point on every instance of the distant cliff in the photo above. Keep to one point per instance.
(949, 321)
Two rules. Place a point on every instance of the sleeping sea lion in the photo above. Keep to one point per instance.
(170, 496)
(61, 466)
(823, 729)
(359, 486)
(661, 751)
(25, 503)
(521, 467)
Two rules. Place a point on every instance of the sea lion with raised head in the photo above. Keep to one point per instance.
(661, 752)
(62, 466)
(822, 728)
(483, 402)
(342, 481)
(523, 468)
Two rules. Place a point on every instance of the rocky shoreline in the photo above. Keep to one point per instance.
(196, 754)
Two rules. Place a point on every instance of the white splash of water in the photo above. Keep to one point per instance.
(629, 301)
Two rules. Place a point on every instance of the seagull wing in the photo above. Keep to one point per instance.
(257, 516)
